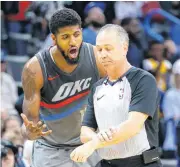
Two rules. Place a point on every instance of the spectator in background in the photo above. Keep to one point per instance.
(126, 9)
(4, 35)
(158, 65)
(171, 109)
(8, 152)
(172, 7)
(39, 14)
(12, 123)
(137, 39)
(8, 89)
(17, 26)
(175, 8)
(94, 20)
(9, 155)
(12, 132)
(172, 50)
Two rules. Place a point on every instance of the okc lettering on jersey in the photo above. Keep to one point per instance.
(70, 88)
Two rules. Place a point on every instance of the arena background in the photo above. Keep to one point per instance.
(153, 28)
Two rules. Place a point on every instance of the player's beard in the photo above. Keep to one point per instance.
(66, 57)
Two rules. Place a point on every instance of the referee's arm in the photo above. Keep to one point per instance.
(89, 124)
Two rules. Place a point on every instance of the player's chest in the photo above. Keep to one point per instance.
(62, 87)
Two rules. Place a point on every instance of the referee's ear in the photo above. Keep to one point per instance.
(125, 48)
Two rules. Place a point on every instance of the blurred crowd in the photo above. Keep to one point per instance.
(24, 31)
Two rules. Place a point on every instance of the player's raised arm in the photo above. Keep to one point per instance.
(32, 82)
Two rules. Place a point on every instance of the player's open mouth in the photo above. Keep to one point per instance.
(73, 52)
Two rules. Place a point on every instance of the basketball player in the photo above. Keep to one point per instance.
(56, 83)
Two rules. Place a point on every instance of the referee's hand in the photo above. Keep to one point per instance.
(106, 135)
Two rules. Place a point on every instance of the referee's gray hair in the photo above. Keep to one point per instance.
(121, 32)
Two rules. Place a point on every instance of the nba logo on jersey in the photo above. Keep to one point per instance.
(121, 93)
(70, 88)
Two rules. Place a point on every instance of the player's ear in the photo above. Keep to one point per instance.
(53, 38)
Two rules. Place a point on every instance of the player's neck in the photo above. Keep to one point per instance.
(61, 62)
(118, 71)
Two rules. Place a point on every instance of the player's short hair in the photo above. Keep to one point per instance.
(62, 18)
(121, 32)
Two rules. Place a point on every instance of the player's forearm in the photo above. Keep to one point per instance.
(31, 110)
(124, 132)
(87, 134)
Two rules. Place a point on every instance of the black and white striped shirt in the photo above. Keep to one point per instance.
(109, 104)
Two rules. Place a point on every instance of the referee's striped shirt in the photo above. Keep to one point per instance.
(109, 104)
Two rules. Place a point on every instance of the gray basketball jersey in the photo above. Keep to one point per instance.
(64, 96)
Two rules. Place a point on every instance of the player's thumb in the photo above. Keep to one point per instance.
(25, 120)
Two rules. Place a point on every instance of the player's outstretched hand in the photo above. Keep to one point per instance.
(34, 131)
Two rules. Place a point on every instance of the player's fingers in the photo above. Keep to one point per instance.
(25, 120)
(39, 124)
(46, 133)
(31, 127)
(43, 127)
(39, 128)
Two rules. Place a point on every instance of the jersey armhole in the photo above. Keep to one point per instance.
(43, 69)
(93, 60)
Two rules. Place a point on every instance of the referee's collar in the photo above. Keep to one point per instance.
(112, 83)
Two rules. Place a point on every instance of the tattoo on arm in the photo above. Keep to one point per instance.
(31, 101)
(29, 84)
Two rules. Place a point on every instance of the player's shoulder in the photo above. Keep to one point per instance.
(137, 74)
(32, 63)
(33, 66)
(32, 71)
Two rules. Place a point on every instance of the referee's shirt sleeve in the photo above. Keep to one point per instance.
(145, 96)
(89, 119)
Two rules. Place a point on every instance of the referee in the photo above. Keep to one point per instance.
(122, 107)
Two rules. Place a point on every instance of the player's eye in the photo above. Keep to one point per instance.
(76, 34)
(65, 36)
